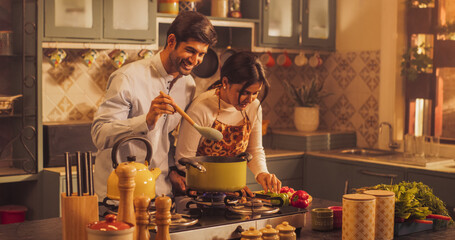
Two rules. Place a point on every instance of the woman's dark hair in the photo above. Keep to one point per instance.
(190, 24)
(245, 68)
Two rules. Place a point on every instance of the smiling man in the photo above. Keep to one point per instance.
(133, 105)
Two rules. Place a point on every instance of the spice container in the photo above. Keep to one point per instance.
(337, 216)
(322, 219)
(358, 217)
(385, 213)
(168, 6)
(219, 8)
(251, 234)
(286, 231)
(6, 43)
(269, 233)
(110, 229)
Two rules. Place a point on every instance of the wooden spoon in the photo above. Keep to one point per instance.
(207, 132)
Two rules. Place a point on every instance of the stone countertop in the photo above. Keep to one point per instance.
(51, 229)
(446, 165)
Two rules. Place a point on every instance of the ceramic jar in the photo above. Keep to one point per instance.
(220, 8)
(358, 217)
(269, 233)
(322, 219)
(286, 231)
(385, 213)
(168, 6)
(251, 234)
(110, 229)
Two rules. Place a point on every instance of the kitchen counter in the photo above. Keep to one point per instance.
(51, 229)
(391, 160)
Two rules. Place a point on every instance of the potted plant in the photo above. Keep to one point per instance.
(307, 97)
(416, 61)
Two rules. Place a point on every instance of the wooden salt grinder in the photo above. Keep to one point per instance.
(126, 173)
(141, 204)
(163, 217)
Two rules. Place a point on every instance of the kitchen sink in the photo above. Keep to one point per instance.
(365, 152)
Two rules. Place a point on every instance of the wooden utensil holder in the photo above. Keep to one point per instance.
(77, 212)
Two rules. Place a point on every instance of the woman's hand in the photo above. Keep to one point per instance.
(269, 182)
(160, 105)
(178, 183)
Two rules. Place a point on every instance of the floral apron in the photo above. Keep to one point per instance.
(235, 138)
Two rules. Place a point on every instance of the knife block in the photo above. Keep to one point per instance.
(77, 213)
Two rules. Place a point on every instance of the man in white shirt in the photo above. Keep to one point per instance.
(133, 105)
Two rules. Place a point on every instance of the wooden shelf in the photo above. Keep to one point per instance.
(421, 20)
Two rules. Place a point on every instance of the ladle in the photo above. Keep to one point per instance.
(207, 132)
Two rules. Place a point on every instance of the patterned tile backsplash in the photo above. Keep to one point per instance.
(72, 90)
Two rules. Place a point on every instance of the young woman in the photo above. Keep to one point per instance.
(232, 108)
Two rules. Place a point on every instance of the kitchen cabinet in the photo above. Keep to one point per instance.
(108, 21)
(19, 75)
(330, 178)
(298, 24)
(289, 169)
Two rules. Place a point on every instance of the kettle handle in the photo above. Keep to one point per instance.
(148, 157)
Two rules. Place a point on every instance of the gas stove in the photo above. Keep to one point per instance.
(218, 218)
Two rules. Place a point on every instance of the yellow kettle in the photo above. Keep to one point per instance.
(145, 179)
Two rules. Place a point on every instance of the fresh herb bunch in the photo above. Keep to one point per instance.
(307, 95)
(413, 200)
(415, 62)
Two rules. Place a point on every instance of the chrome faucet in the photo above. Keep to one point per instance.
(392, 144)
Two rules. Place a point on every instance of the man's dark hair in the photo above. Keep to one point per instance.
(194, 25)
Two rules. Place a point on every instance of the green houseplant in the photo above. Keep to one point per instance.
(307, 97)
(415, 62)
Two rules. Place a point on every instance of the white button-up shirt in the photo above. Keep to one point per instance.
(130, 91)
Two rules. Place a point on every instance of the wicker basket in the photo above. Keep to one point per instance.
(6, 104)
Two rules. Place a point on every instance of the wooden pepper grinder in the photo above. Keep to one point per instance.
(141, 204)
(163, 217)
(126, 173)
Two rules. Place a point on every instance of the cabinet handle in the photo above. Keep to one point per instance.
(391, 176)
(267, 2)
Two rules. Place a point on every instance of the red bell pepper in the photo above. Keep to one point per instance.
(300, 199)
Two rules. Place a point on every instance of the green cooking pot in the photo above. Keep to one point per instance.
(215, 173)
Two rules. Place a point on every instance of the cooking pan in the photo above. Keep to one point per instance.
(209, 65)
(215, 173)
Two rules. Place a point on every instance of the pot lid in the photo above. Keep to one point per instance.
(209, 65)
(111, 224)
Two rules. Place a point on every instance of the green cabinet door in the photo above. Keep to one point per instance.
(298, 24)
(329, 178)
(281, 23)
(289, 169)
(319, 24)
(73, 19)
(125, 20)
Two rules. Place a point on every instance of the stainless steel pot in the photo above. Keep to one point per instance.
(216, 174)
